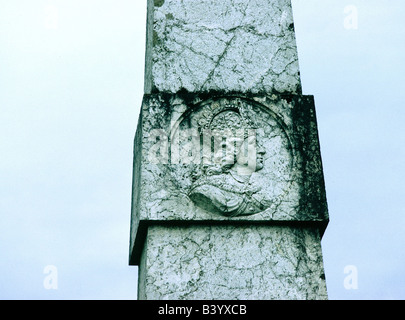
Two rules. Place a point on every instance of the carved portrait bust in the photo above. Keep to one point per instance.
(245, 165)
(229, 188)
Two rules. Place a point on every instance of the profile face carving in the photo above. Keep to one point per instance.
(246, 159)
(226, 189)
(250, 156)
(234, 147)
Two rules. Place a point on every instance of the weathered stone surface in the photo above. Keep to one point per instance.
(232, 263)
(228, 192)
(176, 180)
(221, 45)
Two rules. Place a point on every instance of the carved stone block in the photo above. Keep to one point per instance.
(230, 159)
(232, 263)
(232, 45)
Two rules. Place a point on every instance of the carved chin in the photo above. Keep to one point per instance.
(259, 166)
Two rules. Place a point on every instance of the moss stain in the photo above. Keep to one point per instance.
(159, 3)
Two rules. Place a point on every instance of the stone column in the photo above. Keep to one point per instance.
(228, 190)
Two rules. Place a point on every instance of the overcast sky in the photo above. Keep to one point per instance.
(71, 86)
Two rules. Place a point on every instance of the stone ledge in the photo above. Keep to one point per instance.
(144, 225)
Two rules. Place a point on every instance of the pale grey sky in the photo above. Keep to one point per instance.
(71, 85)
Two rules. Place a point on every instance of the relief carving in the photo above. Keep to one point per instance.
(246, 158)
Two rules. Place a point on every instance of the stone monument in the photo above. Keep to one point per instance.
(228, 189)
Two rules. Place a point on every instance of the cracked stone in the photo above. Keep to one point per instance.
(249, 262)
(173, 181)
(229, 199)
(232, 45)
